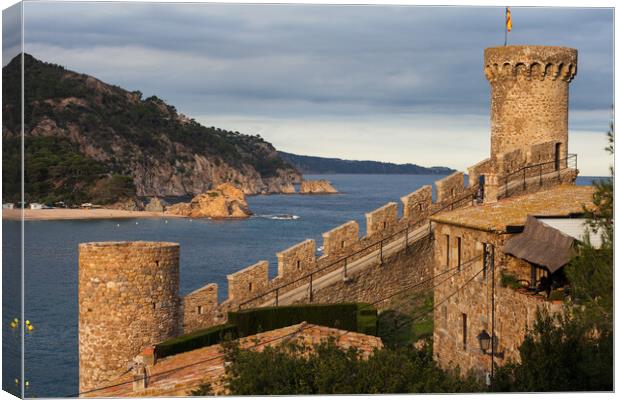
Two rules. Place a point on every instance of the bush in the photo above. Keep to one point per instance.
(290, 369)
(356, 317)
(196, 340)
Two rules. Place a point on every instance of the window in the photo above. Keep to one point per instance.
(199, 310)
(298, 264)
(250, 286)
(458, 253)
(447, 250)
(342, 244)
(452, 192)
(464, 331)
(384, 224)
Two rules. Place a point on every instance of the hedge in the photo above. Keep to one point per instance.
(195, 340)
(356, 317)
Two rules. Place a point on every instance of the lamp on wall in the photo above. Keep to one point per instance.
(485, 341)
(485, 345)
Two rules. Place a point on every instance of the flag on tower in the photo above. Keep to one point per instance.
(508, 20)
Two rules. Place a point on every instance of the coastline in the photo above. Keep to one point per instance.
(73, 214)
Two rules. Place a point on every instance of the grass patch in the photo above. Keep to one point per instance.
(408, 319)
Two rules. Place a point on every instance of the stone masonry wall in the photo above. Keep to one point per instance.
(509, 162)
(297, 260)
(199, 308)
(417, 205)
(475, 171)
(461, 300)
(340, 239)
(383, 219)
(249, 281)
(541, 153)
(373, 284)
(529, 95)
(128, 299)
(450, 186)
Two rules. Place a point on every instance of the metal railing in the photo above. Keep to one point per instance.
(380, 244)
(537, 172)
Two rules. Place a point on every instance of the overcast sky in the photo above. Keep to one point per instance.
(389, 83)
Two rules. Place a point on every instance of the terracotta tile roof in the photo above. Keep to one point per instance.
(177, 375)
(561, 200)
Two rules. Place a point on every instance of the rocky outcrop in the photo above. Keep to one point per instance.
(225, 201)
(156, 204)
(127, 205)
(320, 186)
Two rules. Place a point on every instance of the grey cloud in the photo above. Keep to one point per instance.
(304, 59)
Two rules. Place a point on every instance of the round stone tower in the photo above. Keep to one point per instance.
(529, 96)
(128, 299)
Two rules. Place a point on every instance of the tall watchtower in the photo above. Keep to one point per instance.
(529, 96)
(128, 299)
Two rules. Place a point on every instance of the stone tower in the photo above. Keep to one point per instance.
(128, 299)
(529, 96)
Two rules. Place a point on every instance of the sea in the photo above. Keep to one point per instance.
(209, 251)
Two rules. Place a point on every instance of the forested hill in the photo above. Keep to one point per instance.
(91, 141)
(322, 165)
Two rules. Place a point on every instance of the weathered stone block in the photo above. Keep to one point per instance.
(297, 260)
(450, 186)
(338, 240)
(417, 205)
(381, 220)
(246, 283)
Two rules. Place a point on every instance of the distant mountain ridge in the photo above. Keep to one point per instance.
(323, 165)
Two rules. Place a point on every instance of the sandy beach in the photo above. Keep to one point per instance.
(69, 213)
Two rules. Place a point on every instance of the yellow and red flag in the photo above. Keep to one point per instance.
(508, 20)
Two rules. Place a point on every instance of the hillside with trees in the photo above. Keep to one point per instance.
(86, 140)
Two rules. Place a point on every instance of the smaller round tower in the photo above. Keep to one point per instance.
(529, 96)
(128, 299)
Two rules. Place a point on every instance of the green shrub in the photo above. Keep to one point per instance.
(196, 340)
(357, 317)
(509, 280)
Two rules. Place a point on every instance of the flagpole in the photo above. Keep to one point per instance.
(506, 27)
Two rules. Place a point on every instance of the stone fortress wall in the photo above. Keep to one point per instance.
(135, 284)
(529, 109)
(128, 299)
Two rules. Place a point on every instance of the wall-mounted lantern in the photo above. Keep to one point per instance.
(485, 345)
(485, 341)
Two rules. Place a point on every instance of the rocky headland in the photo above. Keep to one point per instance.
(125, 146)
(320, 186)
(225, 201)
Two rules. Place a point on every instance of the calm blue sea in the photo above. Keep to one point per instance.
(209, 251)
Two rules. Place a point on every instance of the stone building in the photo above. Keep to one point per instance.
(490, 289)
(469, 250)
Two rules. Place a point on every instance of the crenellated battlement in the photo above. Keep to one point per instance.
(297, 260)
(381, 220)
(338, 240)
(417, 205)
(245, 283)
(530, 63)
